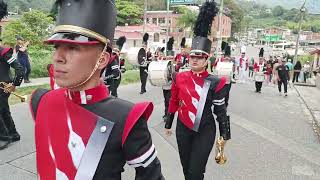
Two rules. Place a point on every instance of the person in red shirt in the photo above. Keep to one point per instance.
(193, 93)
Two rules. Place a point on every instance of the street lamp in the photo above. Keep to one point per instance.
(302, 11)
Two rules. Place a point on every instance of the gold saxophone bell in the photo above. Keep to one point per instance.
(6, 89)
(220, 156)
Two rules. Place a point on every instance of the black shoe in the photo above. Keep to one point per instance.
(15, 137)
(4, 144)
(141, 92)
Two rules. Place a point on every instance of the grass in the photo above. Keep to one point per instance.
(130, 76)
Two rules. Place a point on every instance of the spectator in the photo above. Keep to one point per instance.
(23, 57)
(306, 71)
(296, 71)
(290, 66)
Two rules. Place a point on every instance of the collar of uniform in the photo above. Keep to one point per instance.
(89, 96)
(202, 74)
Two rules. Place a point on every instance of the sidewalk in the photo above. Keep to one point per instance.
(311, 98)
(36, 82)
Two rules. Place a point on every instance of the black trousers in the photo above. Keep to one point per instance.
(7, 126)
(143, 78)
(114, 84)
(194, 149)
(295, 76)
(258, 86)
(285, 85)
(166, 95)
(227, 95)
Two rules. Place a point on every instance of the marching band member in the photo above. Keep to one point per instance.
(226, 73)
(194, 93)
(144, 68)
(80, 131)
(166, 89)
(8, 132)
(243, 67)
(259, 73)
(182, 59)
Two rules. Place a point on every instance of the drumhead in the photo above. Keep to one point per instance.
(160, 73)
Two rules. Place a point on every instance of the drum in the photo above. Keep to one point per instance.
(160, 73)
(259, 76)
(225, 69)
(136, 56)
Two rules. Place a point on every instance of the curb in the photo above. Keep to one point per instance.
(315, 124)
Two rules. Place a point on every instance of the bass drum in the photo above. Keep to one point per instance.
(160, 73)
(136, 56)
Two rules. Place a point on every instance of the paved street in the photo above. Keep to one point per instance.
(272, 139)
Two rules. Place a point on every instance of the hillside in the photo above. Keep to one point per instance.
(313, 6)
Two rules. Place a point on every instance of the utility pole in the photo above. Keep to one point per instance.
(219, 36)
(167, 21)
(302, 10)
(145, 15)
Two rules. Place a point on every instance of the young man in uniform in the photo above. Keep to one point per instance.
(8, 132)
(194, 93)
(144, 67)
(112, 73)
(282, 74)
(80, 131)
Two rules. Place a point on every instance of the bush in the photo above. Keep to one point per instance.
(131, 76)
(34, 26)
(40, 58)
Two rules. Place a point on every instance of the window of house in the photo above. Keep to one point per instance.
(162, 20)
(154, 21)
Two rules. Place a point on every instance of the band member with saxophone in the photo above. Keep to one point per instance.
(80, 131)
(144, 67)
(8, 132)
(194, 93)
(21, 50)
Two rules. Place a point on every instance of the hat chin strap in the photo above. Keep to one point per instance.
(94, 69)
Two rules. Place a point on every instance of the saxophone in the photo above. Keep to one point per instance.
(6, 88)
(220, 156)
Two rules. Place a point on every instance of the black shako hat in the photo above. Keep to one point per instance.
(84, 22)
(200, 43)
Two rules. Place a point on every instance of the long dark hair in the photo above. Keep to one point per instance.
(298, 65)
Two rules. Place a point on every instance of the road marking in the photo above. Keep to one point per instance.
(310, 154)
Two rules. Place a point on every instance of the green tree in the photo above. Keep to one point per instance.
(278, 11)
(128, 12)
(236, 14)
(33, 26)
(3, 9)
(187, 19)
